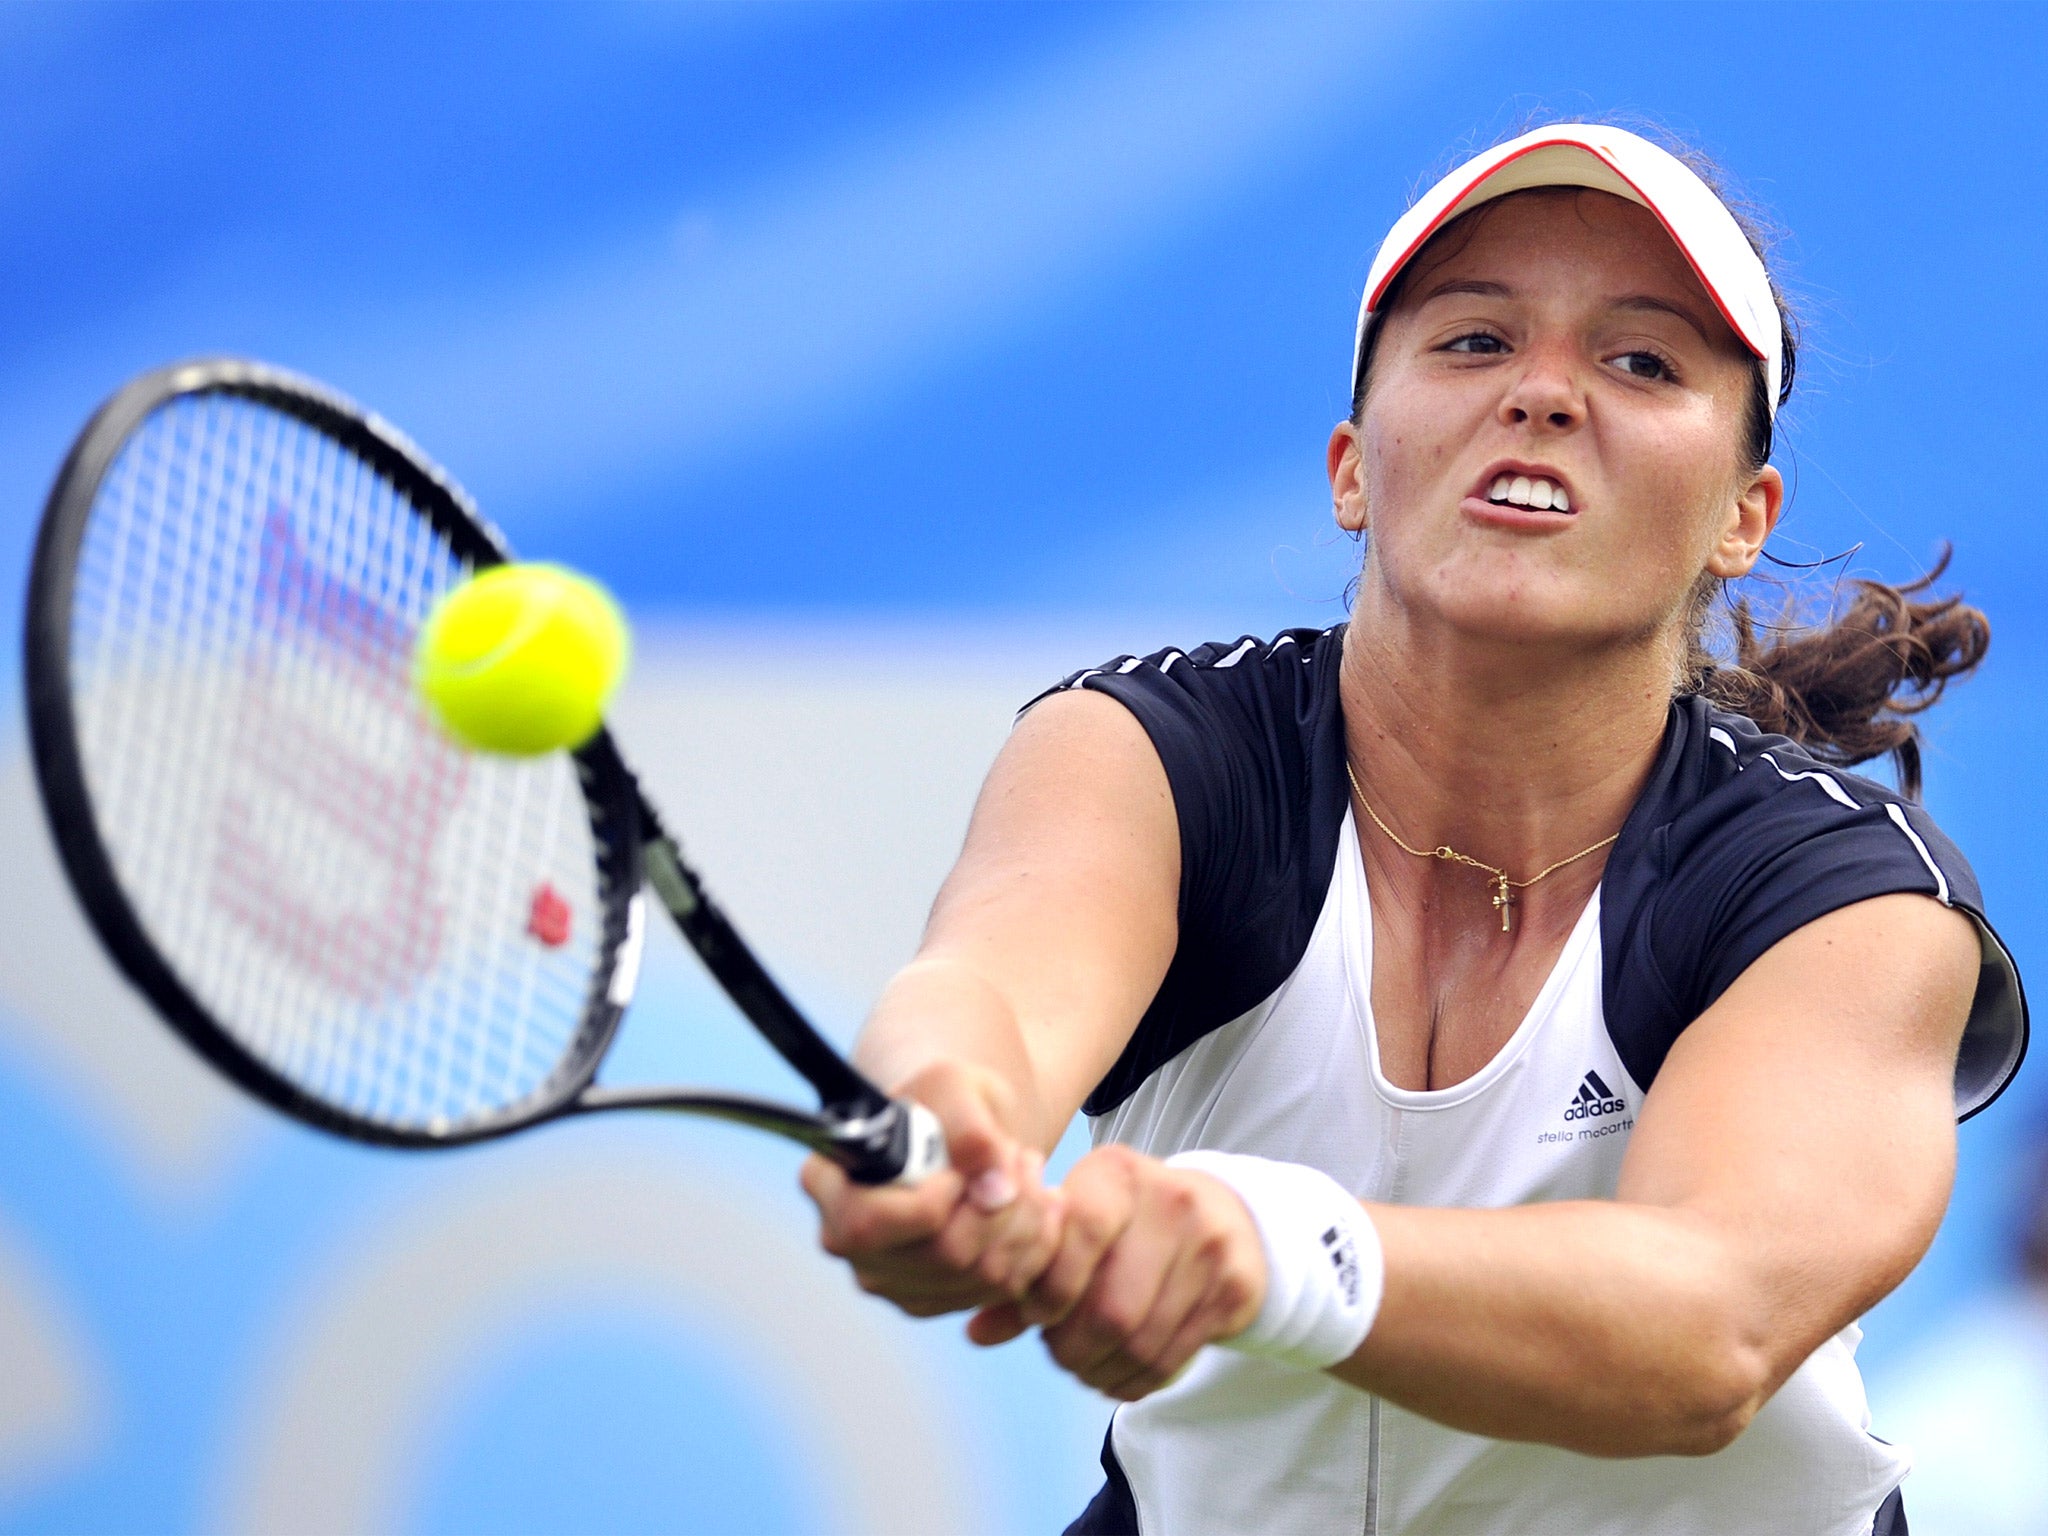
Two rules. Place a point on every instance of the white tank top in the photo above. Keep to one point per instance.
(1260, 1040)
(1239, 1445)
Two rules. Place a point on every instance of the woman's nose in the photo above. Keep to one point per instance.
(1545, 391)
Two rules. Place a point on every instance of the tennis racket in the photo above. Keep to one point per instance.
(351, 916)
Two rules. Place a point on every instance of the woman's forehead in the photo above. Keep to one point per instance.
(1599, 245)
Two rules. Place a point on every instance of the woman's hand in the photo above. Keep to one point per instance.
(1153, 1262)
(1073, 853)
(973, 1234)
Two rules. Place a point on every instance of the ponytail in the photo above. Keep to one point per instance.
(1847, 689)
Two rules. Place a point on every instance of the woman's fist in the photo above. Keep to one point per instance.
(1152, 1263)
(977, 1232)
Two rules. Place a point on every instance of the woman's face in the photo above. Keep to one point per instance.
(1557, 337)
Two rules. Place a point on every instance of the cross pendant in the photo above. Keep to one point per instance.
(1504, 900)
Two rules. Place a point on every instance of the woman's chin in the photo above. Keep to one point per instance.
(1520, 616)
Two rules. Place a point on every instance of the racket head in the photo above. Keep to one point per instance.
(312, 885)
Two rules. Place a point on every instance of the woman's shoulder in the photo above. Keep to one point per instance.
(1741, 837)
(1719, 743)
(1251, 734)
(1251, 730)
(1296, 662)
(1725, 795)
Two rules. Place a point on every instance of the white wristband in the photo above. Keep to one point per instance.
(1325, 1271)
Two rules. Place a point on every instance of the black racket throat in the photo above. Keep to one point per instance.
(750, 986)
(845, 1092)
(873, 1148)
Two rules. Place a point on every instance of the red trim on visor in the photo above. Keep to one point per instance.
(1372, 307)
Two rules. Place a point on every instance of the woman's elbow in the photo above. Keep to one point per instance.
(1716, 1419)
(1696, 1406)
(1707, 1408)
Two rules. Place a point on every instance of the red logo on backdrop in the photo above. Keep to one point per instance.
(380, 931)
(549, 919)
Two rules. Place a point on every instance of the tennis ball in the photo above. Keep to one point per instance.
(522, 659)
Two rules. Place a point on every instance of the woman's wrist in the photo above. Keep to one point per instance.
(1325, 1272)
(939, 1017)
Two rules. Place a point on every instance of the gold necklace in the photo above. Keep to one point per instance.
(1503, 888)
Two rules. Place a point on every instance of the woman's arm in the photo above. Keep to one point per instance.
(1051, 935)
(1789, 1168)
(1043, 950)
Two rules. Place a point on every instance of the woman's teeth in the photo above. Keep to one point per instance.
(1523, 491)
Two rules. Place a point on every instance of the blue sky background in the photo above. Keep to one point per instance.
(924, 308)
(963, 314)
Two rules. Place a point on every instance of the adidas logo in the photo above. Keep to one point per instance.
(1593, 1100)
(1344, 1259)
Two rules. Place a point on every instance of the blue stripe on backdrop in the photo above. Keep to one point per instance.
(836, 319)
(689, 1421)
(556, 250)
(771, 333)
(315, 1336)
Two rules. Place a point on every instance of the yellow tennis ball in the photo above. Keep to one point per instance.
(522, 659)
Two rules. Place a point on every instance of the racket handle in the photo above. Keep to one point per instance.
(900, 1143)
(924, 1150)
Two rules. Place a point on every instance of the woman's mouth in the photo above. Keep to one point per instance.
(1536, 491)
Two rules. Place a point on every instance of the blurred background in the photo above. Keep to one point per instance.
(890, 361)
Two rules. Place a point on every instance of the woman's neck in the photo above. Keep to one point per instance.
(1510, 755)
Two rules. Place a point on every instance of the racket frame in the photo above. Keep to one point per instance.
(874, 1137)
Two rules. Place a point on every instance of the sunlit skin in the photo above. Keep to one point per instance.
(1507, 678)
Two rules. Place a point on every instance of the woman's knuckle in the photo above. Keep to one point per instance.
(1096, 1171)
(1231, 1294)
(1096, 1224)
(993, 1268)
(1061, 1298)
(1114, 1316)
(1037, 1253)
(1117, 1158)
(1212, 1247)
(1064, 1345)
(958, 1248)
(1054, 1294)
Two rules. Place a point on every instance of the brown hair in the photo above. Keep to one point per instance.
(1847, 686)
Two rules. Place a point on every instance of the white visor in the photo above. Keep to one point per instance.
(1608, 160)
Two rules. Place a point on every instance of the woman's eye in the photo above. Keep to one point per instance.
(1479, 342)
(1644, 365)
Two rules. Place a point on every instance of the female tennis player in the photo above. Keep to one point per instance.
(1510, 1035)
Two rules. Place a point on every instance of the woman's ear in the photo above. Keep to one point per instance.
(1347, 479)
(1749, 522)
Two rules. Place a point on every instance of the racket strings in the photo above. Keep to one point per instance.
(347, 893)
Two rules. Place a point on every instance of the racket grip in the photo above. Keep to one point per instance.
(924, 1151)
(897, 1141)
